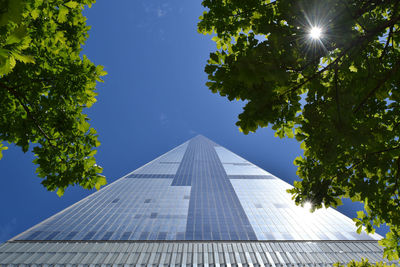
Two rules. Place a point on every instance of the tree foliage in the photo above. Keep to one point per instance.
(44, 86)
(338, 95)
(364, 263)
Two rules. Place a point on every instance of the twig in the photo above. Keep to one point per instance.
(383, 151)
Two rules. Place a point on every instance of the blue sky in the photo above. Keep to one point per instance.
(153, 99)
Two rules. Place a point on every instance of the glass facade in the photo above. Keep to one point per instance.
(197, 191)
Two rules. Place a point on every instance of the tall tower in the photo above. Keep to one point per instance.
(198, 204)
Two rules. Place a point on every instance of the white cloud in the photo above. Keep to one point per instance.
(161, 12)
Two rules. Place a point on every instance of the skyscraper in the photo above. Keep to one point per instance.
(198, 204)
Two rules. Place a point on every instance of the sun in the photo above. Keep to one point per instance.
(307, 205)
(315, 33)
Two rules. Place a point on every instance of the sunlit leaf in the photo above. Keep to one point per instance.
(71, 4)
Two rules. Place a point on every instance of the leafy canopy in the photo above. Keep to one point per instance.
(364, 263)
(338, 94)
(44, 86)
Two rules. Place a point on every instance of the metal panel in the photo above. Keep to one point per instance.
(162, 259)
(248, 259)
(270, 260)
(281, 260)
(205, 252)
(152, 258)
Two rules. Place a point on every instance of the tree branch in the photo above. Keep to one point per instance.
(358, 162)
(354, 17)
(387, 43)
(26, 108)
(376, 88)
(337, 94)
(361, 39)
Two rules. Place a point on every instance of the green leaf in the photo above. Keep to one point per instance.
(71, 4)
(12, 62)
(100, 182)
(303, 146)
(4, 53)
(16, 36)
(62, 14)
(83, 126)
(2, 147)
(352, 68)
(24, 58)
(100, 70)
(360, 214)
(214, 58)
(5, 66)
(35, 13)
(60, 192)
(289, 132)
